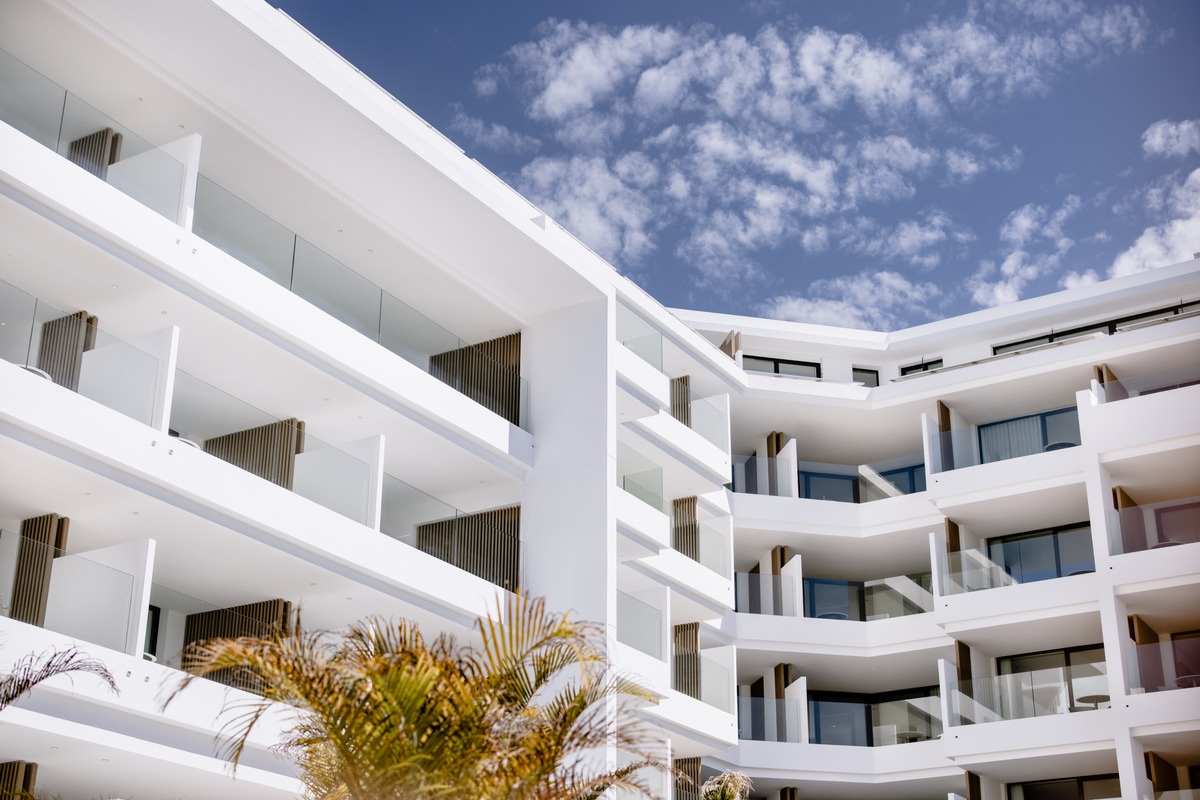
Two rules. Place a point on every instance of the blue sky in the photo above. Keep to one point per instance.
(871, 164)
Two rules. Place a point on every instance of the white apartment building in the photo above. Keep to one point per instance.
(269, 342)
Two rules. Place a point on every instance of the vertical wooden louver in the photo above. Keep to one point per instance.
(1132, 523)
(64, 341)
(489, 373)
(42, 539)
(486, 544)
(687, 778)
(263, 619)
(945, 442)
(17, 780)
(268, 451)
(96, 151)
(687, 659)
(685, 530)
(789, 793)
(732, 344)
(681, 399)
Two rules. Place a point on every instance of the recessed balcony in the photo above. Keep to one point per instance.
(985, 443)
(810, 480)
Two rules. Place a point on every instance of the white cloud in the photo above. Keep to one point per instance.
(491, 135)
(871, 300)
(1170, 242)
(590, 199)
(746, 143)
(1167, 138)
(1036, 243)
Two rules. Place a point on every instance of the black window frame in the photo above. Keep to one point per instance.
(927, 365)
(1079, 782)
(1042, 417)
(856, 371)
(775, 362)
(1052, 532)
(1109, 327)
(868, 702)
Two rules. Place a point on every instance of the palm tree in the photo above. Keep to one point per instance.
(726, 786)
(386, 714)
(34, 668)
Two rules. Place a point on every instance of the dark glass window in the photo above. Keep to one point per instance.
(924, 366)
(1080, 670)
(1033, 433)
(151, 644)
(782, 366)
(1093, 787)
(867, 377)
(862, 720)
(829, 486)
(832, 599)
(1110, 327)
(907, 479)
(1042, 555)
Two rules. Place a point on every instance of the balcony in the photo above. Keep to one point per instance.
(864, 601)
(156, 177)
(774, 595)
(704, 679)
(1164, 666)
(1155, 526)
(640, 625)
(766, 719)
(1005, 439)
(845, 720)
(810, 480)
(1035, 693)
(166, 180)
(1113, 390)
(1020, 559)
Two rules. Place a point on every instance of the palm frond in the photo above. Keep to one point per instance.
(34, 668)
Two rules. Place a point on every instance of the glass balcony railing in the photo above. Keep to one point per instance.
(52, 116)
(640, 336)
(1012, 438)
(646, 486)
(714, 548)
(282, 451)
(762, 475)
(882, 598)
(1039, 693)
(766, 719)
(1060, 553)
(73, 595)
(71, 351)
(840, 483)
(702, 678)
(1163, 666)
(774, 595)
(1155, 526)
(1150, 383)
(639, 625)
(874, 724)
(273, 250)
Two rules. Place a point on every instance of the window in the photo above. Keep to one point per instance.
(924, 366)
(828, 486)
(1074, 679)
(864, 720)
(782, 366)
(1042, 555)
(1109, 327)
(1093, 787)
(907, 479)
(831, 599)
(150, 646)
(1023, 436)
(867, 377)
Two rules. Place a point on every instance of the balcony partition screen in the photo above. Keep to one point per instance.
(263, 619)
(96, 152)
(64, 341)
(268, 451)
(42, 538)
(687, 659)
(687, 778)
(685, 529)
(489, 373)
(486, 544)
(18, 779)
(681, 399)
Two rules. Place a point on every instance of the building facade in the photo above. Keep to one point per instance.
(272, 343)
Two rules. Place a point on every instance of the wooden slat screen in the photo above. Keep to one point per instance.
(681, 399)
(486, 544)
(489, 373)
(1133, 525)
(687, 659)
(685, 530)
(17, 780)
(96, 151)
(732, 344)
(789, 793)
(268, 451)
(962, 658)
(687, 779)
(263, 619)
(64, 341)
(947, 445)
(42, 539)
